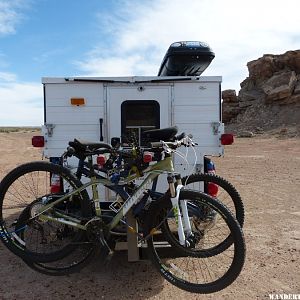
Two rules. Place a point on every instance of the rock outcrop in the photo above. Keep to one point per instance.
(230, 105)
(280, 86)
(272, 87)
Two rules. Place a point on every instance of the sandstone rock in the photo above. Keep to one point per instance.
(283, 131)
(230, 112)
(291, 59)
(261, 68)
(246, 134)
(269, 96)
(245, 104)
(294, 99)
(247, 84)
(230, 105)
(252, 95)
(297, 88)
(229, 96)
(280, 86)
(259, 130)
(266, 66)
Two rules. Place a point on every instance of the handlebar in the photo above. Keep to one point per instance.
(185, 140)
(181, 140)
(72, 152)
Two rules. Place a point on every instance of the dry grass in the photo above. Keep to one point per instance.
(10, 129)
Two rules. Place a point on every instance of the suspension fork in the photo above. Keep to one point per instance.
(184, 209)
(181, 213)
(95, 192)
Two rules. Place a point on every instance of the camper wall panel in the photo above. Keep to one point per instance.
(62, 134)
(202, 133)
(74, 115)
(202, 93)
(208, 142)
(200, 151)
(60, 94)
(65, 132)
(192, 114)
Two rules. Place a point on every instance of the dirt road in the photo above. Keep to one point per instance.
(266, 171)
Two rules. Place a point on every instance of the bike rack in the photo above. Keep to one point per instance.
(132, 239)
(131, 245)
(136, 253)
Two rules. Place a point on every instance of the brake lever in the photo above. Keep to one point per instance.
(187, 141)
(166, 148)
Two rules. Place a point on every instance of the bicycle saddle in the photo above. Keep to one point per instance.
(86, 145)
(164, 134)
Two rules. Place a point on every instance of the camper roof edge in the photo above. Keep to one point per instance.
(133, 79)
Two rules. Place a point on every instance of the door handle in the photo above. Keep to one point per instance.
(101, 129)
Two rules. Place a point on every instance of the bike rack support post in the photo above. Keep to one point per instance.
(132, 239)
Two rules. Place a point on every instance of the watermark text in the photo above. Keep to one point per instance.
(284, 296)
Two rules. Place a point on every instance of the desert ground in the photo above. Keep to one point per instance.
(266, 172)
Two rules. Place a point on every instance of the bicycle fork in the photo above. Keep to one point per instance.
(180, 210)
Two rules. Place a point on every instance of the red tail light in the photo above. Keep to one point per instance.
(101, 160)
(227, 139)
(147, 157)
(212, 189)
(38, 141)
(55, 184)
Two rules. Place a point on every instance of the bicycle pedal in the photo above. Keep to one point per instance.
(106, 255)
(109, 256)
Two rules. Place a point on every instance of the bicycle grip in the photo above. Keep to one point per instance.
(156, 145)
(70, 151)
(180, 136)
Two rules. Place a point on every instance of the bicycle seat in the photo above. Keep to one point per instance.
(82, 145)
(164, 134)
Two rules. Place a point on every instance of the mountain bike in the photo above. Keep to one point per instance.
(43, 224)
(210, 183)
(215, 185)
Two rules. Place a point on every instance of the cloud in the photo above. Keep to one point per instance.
(139, 33)
(21, 102)
(10, 15)
(6, 76)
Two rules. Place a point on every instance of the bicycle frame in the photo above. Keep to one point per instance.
(165, 165)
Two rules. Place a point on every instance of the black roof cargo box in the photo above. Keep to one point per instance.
(186, 59)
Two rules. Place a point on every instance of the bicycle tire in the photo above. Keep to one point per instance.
(24, 188)
(72, 263)
(232, 201)
(173, 270)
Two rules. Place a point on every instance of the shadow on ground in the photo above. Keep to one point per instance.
(117, 279)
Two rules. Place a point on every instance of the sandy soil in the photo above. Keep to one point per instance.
(266, 171)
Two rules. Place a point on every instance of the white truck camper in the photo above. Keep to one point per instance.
(110, 108)
(99, 109)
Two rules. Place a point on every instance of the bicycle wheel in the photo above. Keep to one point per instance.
(73, 262)
(220, 188)
(196, 270)
(23, 192)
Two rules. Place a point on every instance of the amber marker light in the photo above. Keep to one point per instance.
(77, 101)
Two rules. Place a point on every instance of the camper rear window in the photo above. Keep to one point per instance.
(138, 116)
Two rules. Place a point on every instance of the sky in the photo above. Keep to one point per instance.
(66, 38)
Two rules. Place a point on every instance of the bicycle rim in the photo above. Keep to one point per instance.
(220, 188)
(196, 269)
(23, 192)
(71, 263)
